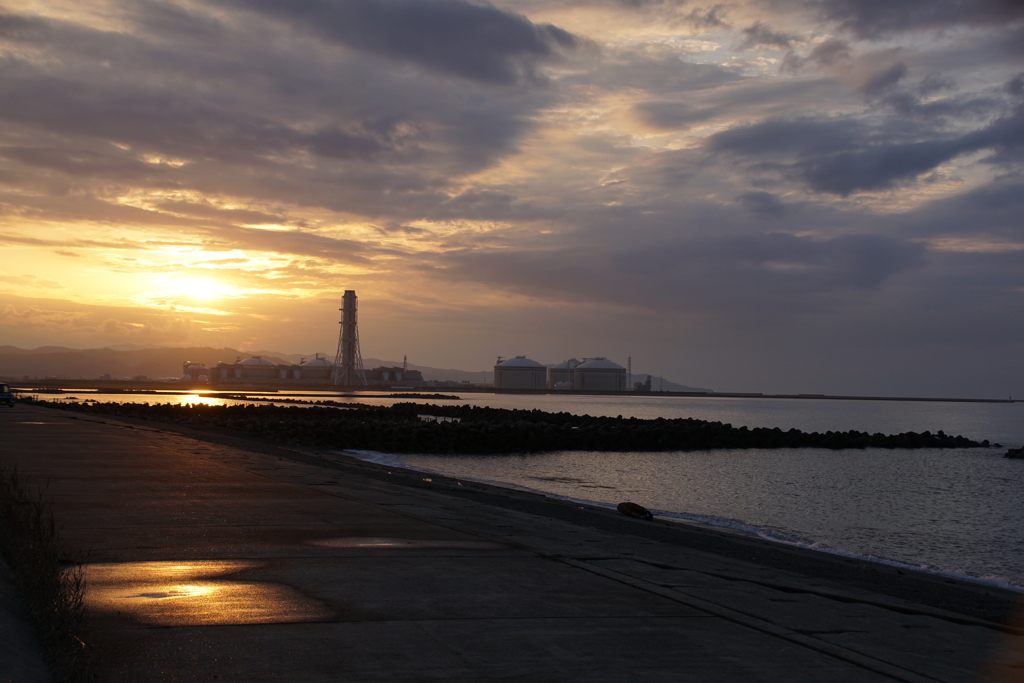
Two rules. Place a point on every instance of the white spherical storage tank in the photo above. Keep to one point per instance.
(196, 372)
(561, 376)
(520, 373)
(599, 374)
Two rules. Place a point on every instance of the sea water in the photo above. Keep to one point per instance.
(947, 510)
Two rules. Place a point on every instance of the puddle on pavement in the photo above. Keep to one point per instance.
(404, 543)
(195, 594)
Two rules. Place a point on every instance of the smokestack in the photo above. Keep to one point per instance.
(348, 362)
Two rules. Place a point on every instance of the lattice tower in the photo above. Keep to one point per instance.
(348, 363)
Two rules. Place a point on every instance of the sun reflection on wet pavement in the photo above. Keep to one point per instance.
(195, 594)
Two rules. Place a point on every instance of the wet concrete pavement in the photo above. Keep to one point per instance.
(211, 562)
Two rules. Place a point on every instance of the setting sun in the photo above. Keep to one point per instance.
(197, 288)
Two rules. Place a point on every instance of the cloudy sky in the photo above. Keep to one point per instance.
(759, 195)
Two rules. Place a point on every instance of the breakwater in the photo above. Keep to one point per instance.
(401, 428)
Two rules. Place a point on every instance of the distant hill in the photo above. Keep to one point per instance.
(93, 363)
(14, 350)
(153, 362)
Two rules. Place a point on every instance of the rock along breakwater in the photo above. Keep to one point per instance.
(474, 430)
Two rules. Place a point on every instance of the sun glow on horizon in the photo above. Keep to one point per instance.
(204, 289)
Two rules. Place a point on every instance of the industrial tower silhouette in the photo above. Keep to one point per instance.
(348, 363)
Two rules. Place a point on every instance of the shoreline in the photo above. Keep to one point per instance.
(951, 598)
(889, 578)
(719, 524)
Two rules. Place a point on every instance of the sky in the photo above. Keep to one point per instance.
(806, 196)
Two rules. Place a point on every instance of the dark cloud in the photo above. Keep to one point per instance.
(882, 80)
(82, 162)
(173, 123)
(830, 51)
(474, 41)
(403, 230)
(664, 171)
(792, 63)
(1004, 136)
(880, 18)
(992, 210)
(883, 165)
(803, 136)
(775, 274)
(826, 53)
(933, 83)
(712, 17)
(842, 157)
(486, 205)
(83, 243)
(674, 115)
(786, 264)
(307, 127)
(1011, 41)
(743, 98)
(201, 210)
(1015, 86)
(295, 242)
(876, 167)
(760, 35)
(663, 75)
(908, 104)
(764, 205)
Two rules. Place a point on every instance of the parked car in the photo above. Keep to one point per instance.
(6, 395)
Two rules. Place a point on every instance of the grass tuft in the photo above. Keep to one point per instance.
(47, 577)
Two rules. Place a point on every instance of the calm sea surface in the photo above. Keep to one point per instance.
(955, 511)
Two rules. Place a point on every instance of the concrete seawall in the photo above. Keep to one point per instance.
(215, 558)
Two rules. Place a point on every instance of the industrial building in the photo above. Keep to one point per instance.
(561, 376)
(319, 369)
(520, 373)
(261, 371)
(253, 370)
(394, 376)
(599, 374)
(316, 372)
(593, 374)
(194, 373)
